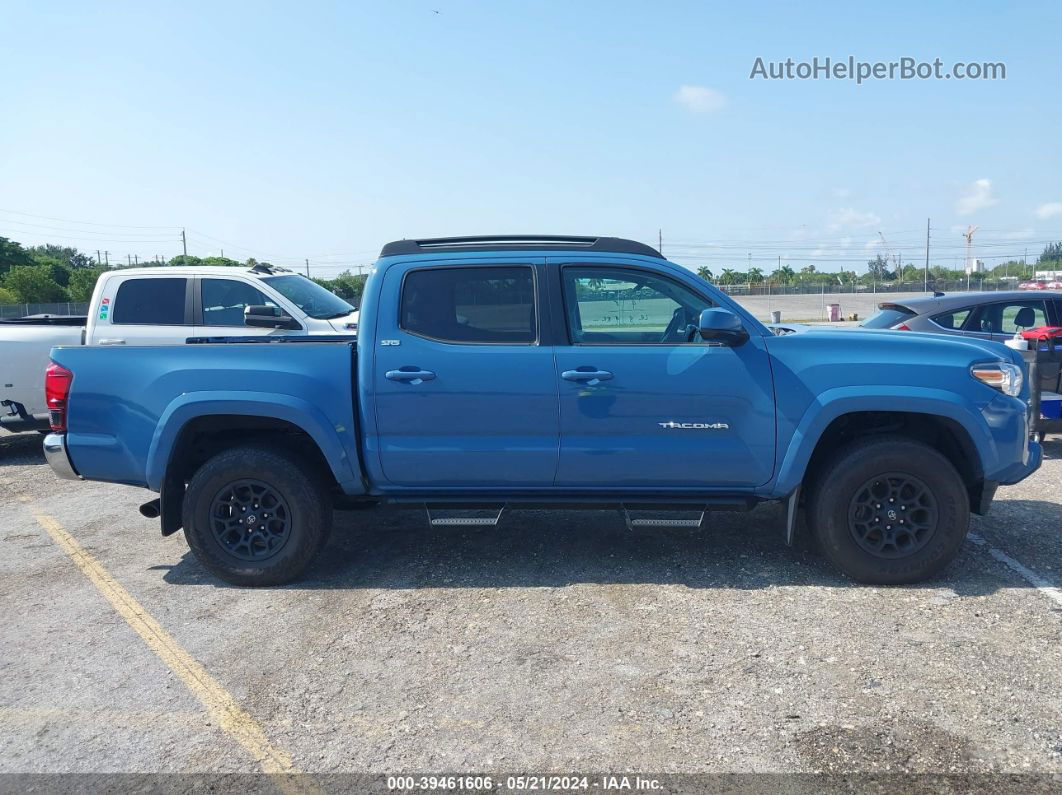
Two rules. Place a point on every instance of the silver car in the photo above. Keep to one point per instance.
(993, 316)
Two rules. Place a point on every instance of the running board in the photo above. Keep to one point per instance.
(656, 521)
(478, 520)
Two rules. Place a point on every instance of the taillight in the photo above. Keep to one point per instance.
(56, 390)
(901, 327)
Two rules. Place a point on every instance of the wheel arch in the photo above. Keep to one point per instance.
(938, 418)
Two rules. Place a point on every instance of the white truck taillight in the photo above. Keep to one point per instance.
(56, 390)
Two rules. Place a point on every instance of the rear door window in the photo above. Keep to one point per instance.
(481, 305)
(952, 321)
(151, 302)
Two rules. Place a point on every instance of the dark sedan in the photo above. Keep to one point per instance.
(994, 316)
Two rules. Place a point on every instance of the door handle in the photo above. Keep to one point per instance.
(587, 376)
(112, 341)
(410, 375)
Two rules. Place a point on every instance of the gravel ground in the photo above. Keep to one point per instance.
(555, 642)
(802, 308)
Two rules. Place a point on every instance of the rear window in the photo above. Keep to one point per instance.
(473, 305)
(888, 317)
(150, 302)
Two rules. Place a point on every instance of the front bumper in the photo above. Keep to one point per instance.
(57, 457)
(1018, 472)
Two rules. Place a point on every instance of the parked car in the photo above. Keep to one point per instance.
(496, 372)
(993, 316)
(164, 306)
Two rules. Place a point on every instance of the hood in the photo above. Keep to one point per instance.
(917, 345)
(813, 360)
(347, 324)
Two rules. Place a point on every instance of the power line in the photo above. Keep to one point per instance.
(83, 223)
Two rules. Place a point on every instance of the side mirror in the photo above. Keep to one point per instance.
(723, 326)
(269, 317)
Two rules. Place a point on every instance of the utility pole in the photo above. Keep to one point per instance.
(307, 267)
(970, 266)
(223, 253)
(129, 260)
(99, 259)
(926, 285)
(107, 258)
(136, 260)
(184, 241)
(660, 241)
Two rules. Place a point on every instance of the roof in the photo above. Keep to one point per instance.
(194, 270)
(612, 245)
(948, 301)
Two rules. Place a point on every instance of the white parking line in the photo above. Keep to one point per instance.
(1042, 585)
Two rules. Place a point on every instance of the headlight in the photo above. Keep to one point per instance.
(1004, 376)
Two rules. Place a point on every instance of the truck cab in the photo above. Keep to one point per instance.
(166, 305)
(518, 371)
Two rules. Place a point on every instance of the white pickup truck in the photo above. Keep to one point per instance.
(160, 306)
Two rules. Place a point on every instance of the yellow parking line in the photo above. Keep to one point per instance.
(223, 708)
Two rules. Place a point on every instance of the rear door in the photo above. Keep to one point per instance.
(144, 310)
(464, 381)
(644, 405)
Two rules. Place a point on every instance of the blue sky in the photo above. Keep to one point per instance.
(322, 130)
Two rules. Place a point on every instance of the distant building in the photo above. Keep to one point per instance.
(974, 265)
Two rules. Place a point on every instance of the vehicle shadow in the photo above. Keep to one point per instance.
(21, 449)
(551, 549)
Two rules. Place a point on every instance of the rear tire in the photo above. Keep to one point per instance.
(888, 510)
(256, 516)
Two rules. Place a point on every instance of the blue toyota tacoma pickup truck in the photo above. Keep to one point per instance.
(549, 371)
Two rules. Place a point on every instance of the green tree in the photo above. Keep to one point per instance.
(878, 268)
(783, 275)
(182, 259)
(727, 276)
(82, 283)
(1052, 253)
(7, 297)
(66, 256)
(705, 273)
(221, 261)
(755, 276)
(33, 284)
(12, 254)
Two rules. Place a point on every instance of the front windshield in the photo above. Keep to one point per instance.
(310, 297)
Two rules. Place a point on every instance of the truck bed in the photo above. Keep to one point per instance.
(129, 404)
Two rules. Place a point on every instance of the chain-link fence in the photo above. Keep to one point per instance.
(28, 310)
(975, 284)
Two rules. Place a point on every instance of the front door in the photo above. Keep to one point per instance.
(221, 307)
(465, 390)
(644, 405)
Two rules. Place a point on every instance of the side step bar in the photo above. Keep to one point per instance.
(468, 517)
(682, 517)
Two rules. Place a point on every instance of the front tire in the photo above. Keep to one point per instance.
(888, 510)
(255, 516)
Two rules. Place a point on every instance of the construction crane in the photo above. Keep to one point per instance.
(885, 246)
(970, 266)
